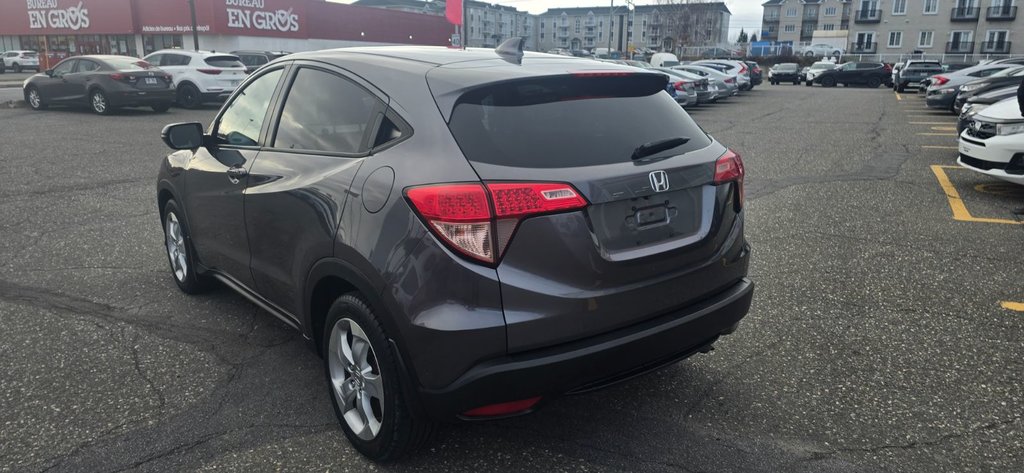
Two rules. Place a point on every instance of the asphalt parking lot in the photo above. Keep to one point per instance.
(885, 333)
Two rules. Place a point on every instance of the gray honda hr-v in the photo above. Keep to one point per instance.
(461, 235)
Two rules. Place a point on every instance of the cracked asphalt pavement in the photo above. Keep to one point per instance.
(876, 341)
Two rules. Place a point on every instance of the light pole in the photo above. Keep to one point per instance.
(195, 31)
(611, 11)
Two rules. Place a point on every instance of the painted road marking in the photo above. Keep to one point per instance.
(939, 147)
(944, 128)
(1017, 306)
(932, 123)
(956, 204)
(898, 96)
(936, 134)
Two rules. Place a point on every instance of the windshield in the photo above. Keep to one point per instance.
(787, 67)
(815, 67)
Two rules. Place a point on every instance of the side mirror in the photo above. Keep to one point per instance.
(183, 135)
(48, 72)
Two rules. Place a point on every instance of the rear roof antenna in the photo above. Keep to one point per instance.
(511, 50)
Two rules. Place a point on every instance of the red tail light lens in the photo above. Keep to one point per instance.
(211, 72)
(730, 80)
(939, 80)
(462, 216)
(680, 85)
(729, 168)
(117, 76)
(503, 409)
(743, 69)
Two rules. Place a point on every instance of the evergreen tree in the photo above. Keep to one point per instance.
(743, 36)
(753, 37)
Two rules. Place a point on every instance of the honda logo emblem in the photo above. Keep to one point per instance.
(659, 181)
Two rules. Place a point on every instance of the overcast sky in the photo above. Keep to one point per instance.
(746, 14)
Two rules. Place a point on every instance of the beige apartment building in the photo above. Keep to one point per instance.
(957, 27)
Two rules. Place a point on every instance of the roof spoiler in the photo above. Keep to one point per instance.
(511, 50)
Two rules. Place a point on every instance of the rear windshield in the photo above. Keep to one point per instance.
(224, 61)
(924, 67)
(669, 63)
(128, 64)
(570, 122)
(29, 54)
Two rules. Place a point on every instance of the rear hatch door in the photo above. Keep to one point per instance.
(654, 235)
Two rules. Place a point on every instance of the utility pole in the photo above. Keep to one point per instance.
(611, 30)
(465, 19)
(195, 30)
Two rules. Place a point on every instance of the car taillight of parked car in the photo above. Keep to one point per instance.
(461, 215)
(211, 72)
(939, 80)
(729, 168)
(680, 85)
(730, 80)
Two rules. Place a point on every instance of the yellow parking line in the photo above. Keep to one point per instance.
(930, 123)
(1017, 306)
(938, 147)
(956, 204)
(944, 128)
(936, 134)
(898, 96)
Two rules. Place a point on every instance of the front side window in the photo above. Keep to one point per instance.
(325, 112)
(243, 118)
(64, 68)
(87, 66)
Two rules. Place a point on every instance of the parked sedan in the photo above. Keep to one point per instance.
(942, 88)
(104, 83)
(460, 246)
(1003, 78)
(992, 140)
(871, 74)
(980, 102)
(912, 75)
(706, 90)
(784, 72)
(726, 83)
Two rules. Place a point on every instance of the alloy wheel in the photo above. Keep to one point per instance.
(33, 98)
(176, 247)
(99, 102)
(356, 379)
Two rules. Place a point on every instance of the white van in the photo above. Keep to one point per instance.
(664, 60)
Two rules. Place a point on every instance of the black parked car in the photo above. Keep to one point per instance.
(979, 102)
(784, 72)
(255, 59)
(871, 74)
(448, 234)
(756, 77)
(104, 83)
(1004, 78)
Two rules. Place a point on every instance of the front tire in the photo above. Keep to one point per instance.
(367, 388)
(874, 82)
(180, 253)
(34, 99)
(809, 54)
(189, 96)
(99, 103)
(828, 82)
(161, 108)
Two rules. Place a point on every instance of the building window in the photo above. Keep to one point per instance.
(577, 25)
(899, 7)
(542, 36)
(771, 28)
(828, 27)
(790, 28)
(925, 39)
(830, 11)
(931, 7)
(772, 14)
(791, 12)
(895, 39)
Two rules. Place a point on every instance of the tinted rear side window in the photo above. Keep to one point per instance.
(325, 112)
(224, 61)
(569, 122)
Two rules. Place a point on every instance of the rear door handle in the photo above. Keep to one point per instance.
(237, 173)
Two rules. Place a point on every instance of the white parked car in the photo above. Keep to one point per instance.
(992, 141)
(664, 60)
(817, 68)
(19, 60)
(200, 76)
(737, 68)
(822, 50)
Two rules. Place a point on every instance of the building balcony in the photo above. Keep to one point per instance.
(964, 14)
(590, 23)
(863, 48)
(563, 33)
(995, 47)
(771, 19)
(810, 17)
(589, 34)
(868, 16)
(960, 47)
(1006, 13)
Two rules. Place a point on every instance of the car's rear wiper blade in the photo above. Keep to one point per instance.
(655, 147)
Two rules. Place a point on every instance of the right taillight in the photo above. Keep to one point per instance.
(939, 80)
(211, 72)
(680, 85)
(479, 220)
(729, 168)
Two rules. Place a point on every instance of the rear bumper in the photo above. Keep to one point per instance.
(594, 362)
(141, 98)
(944, 101)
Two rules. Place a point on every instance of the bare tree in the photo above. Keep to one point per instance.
(690, 22)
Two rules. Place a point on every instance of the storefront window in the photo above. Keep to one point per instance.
(156, 42)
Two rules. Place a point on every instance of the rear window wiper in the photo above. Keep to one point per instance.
(658, 146)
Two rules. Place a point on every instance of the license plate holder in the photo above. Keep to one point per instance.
(151, 81)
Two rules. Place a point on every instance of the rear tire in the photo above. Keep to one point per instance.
(809, 54)
(874, 82)
(900, 88)
(796, 82)
(189, 96)
(809, 83)
(828, 82)
(358, 403)
(161, 108)
(99, 103)
(17, 68)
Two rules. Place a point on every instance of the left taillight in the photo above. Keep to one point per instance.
(478, 220)
(729, 168)
(680, 85)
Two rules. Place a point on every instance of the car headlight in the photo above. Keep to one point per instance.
(1004, 129)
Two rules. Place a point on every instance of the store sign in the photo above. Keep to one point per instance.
(44, 14)
(252, 14)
